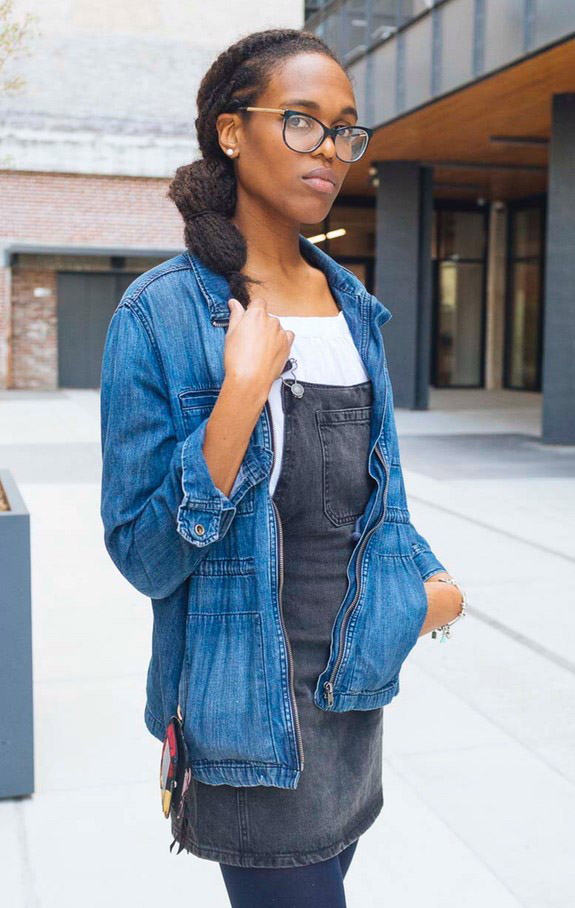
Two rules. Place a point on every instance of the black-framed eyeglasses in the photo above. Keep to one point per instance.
(304, 133)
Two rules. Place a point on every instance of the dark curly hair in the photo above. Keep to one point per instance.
(208, 186)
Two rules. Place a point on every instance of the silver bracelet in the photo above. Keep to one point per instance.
(446, 628)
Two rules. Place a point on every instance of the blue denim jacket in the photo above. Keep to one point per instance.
(212, 564)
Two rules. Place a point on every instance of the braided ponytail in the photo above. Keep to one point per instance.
(205, 190)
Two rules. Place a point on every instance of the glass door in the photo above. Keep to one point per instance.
(348, 236)
(459, 244)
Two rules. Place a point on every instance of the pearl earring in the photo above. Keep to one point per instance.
(229, 151)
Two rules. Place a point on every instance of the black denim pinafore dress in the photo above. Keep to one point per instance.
(322, 488)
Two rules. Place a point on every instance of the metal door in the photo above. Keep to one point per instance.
(86, 303)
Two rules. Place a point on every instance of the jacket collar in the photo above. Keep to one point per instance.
(364, 313)
(353, 298)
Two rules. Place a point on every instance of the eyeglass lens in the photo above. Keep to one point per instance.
(304, 134)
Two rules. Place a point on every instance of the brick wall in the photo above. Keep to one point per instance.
(68, 210)
(5, 326)
(34, 330)
(90, 210)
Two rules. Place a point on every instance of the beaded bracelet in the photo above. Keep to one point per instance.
(446, 628)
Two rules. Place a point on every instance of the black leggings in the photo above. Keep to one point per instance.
(318, 885)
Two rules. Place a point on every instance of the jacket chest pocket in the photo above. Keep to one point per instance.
(344, 438)
(196, 404)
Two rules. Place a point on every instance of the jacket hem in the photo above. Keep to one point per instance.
(287, 859)
(361, 699)
(228, 772)
(244, 773)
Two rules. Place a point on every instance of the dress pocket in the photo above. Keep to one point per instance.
(226, 711)
(344, 436)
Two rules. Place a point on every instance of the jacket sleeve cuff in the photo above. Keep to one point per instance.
(426, 561)
(205, 513)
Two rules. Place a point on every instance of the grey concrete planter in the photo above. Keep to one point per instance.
(16, 691)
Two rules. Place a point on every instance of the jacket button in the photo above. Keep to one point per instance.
(199, 529)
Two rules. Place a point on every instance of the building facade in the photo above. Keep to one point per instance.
(461, 216)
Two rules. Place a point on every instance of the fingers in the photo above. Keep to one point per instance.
(236, 313)
(259, 303)
(261, 341)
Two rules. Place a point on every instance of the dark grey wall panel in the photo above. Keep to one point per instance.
(16, 682)
(403, 275)
(558, 420)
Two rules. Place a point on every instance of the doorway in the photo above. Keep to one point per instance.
(459, 243)
(86, 303)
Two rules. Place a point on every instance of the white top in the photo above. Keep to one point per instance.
(326, 354)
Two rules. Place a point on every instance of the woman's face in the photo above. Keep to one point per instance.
(270, 172)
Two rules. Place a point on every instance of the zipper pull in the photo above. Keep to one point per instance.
(328, 692)
(356, 529)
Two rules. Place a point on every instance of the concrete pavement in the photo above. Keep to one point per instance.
(479, 771)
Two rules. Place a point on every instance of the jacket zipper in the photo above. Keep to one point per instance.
(328, 685)
(279, 536)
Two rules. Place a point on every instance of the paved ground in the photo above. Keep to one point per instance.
(479, 773)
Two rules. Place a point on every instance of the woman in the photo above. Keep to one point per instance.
(277, 128)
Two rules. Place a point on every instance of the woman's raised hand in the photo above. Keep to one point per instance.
(256, 346)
